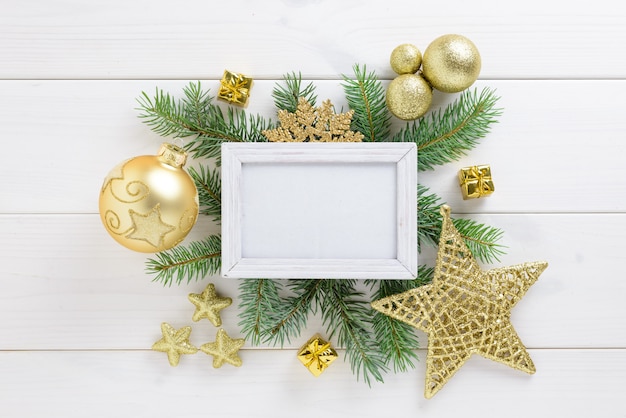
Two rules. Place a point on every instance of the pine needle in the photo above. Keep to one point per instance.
(286, 97)
(291, 315)
(209, 185)
(199, 259)
(366, 96)
(347, 315)
(482, 240)
(443, 137)
(259, 300)
(397, 341)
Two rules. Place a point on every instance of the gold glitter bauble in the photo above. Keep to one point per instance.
(409, 96)
(405, 59)
(465, 310)
(149, 203)
(451, 63)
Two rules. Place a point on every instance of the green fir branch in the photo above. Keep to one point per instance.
(396, 340)
(482, 240)
(291, 317)
(196, 261)
(286, 97)
(259, 299)
(209, 185)
(197, 117)
(366, 96)
(446, 136)
(347, 315)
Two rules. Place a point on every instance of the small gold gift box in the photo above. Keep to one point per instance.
(316, 355)
(235, 88)
(475, 181)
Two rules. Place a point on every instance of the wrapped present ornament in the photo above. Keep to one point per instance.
(316, 355)
(475, 181)
(235, 88)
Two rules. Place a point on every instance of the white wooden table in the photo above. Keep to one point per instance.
(78, 314)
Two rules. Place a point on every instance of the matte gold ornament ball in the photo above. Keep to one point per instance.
(405, 59)
(451, 63)
(149, 203)
(409, 96)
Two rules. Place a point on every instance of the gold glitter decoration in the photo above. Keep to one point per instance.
(451, 63)
(316, 355)
(464, 310)
(174, 343)
(235, 88)
(405, 59)
(313, 124)
(224, 349)
(408, 96)
(476, 181)
(208, 305)
(149, 203)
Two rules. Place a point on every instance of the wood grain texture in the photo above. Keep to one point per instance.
(273, 383)
(117, 39)
(78, 312)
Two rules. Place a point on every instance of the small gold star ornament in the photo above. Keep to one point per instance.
(316, 355)
(149, 203)
(208, 305)
(465, 310)
(224, 349)
(174, 343)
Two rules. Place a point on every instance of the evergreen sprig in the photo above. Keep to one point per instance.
(445, 136)
(348, 316)
(366, 96)
(290, 319)
(196, 116)
(286, 96)
(209, 185)
(396, 339)
(482, 240)
(197, 260)
(259, 300)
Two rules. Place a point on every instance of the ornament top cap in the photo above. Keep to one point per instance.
(172, 155)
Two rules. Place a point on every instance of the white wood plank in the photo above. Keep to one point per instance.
(141, 39)
(556, 148)
(574, 383)
(65, 284)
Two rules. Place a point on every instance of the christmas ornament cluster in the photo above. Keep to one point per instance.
(451, 64)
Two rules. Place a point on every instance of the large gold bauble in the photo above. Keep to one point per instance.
(405, 59)
(149, 203)
(451, 63)
(409, 96)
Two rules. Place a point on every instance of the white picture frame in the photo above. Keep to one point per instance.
(266, 215)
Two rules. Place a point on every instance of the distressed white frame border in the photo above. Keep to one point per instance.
(404, 266)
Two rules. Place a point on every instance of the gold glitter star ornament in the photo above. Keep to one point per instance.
(316, 355)
(465, 310)
(224, 349)
(149, 203)
(174, 343)
(208, 305)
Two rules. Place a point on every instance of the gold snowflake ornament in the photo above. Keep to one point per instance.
(313, 124)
